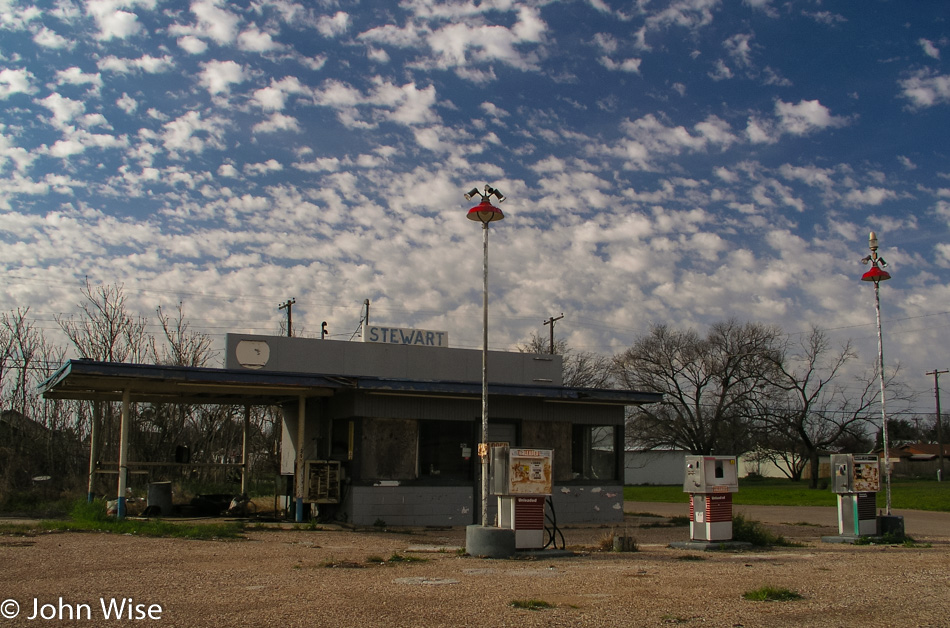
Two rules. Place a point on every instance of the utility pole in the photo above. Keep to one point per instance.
(551, 322)
(289, 305)
(936, 373)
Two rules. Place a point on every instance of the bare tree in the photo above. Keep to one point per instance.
(182, 347)
(809, 409)
(709, 385)
(803, 414)
(106, 330)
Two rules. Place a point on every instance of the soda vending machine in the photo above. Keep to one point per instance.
(710, 482)
(856, 479)
(522, 480)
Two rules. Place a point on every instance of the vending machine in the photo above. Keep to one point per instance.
(522, 480)
(856, 479)
(710, 482)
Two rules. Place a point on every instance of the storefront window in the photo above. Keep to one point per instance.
(447, 450)
(594, 452)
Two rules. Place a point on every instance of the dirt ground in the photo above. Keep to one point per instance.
(344, 577)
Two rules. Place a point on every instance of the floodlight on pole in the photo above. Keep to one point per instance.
(877, 274)
(485, 213)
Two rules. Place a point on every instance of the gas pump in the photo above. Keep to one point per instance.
(710, 481)
(522, 480)
(856, 479)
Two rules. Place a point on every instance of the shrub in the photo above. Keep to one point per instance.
(84, 511)
(755, 532)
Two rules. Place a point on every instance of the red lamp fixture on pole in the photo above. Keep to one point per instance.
(485, 213)
(877, 274)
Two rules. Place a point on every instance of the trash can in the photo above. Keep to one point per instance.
(160, 495)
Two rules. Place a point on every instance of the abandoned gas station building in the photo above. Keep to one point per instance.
(389, 430)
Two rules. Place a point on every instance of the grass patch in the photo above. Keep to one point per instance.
(678, 521)
(888, 539)
(772, 594)
(91, 517)
(913, 494)
(531, 605)
(691, 557)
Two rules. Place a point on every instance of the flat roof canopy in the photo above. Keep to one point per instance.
(107, 381)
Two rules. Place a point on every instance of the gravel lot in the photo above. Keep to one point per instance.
(334, 577)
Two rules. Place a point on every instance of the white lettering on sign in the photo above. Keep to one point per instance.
(400, 336)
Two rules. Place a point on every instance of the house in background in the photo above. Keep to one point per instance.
(667, 467)
(918, 460)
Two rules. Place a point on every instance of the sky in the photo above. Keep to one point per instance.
(677, 162)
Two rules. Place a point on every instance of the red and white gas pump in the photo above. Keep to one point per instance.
(710, 481)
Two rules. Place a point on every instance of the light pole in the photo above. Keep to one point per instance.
(877, 274)
(485, 213)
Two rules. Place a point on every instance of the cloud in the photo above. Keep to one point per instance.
(19, 156)
(277, 122)
(146, 63)
(739, 49)
(926, 89)
(406, 37)
(213, 22)
(403, 104)
(192, 44)
(192, 133)
(50, 39)
(826, 17)
(16, 82)
(254, 40)
(271, 165)
(805, 117)
(689, 14)
(378, 55)
(112, 20)
(460, 45)
(869, 196)
(906, 162)
(76, 141)
(649, 138)
(218, 76)
(606, 42)
(720, 71)
(64, 109)
(274, 96)
(627, 65)
(333, 26)
(75, 76)
(127, 104)
(810, 175)
(493, 110)
(929, 48)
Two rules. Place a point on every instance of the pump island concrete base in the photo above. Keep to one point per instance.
(489, 542)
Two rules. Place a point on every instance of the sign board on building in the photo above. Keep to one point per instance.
(401, 336)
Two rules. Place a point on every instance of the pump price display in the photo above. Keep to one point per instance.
(530, 471)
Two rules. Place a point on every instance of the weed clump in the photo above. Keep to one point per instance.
(531, 605)
(772, 594)
(755, 532)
